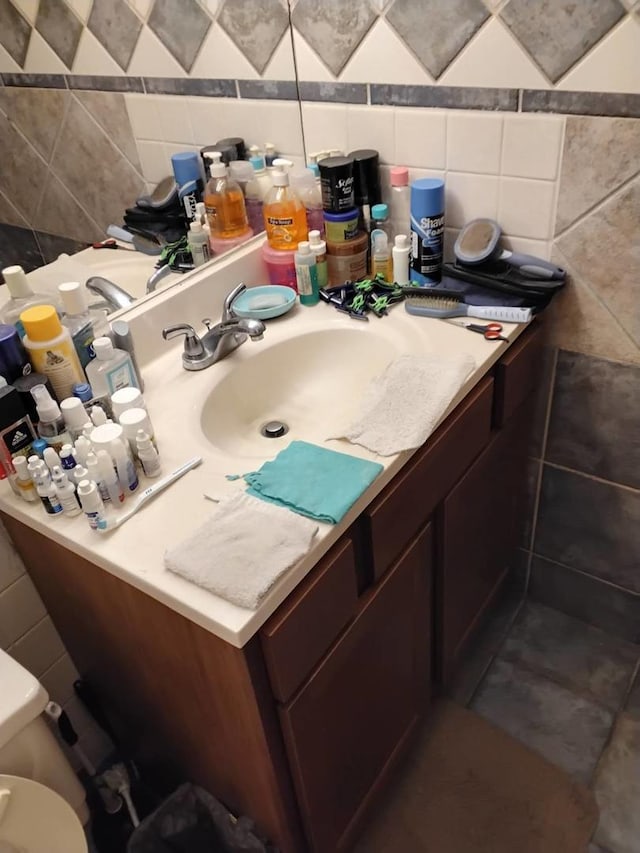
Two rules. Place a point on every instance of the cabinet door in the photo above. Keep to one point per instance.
(480, 532)
(350, 720)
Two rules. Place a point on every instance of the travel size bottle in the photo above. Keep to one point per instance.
(51, 426)
(77, 319)
(306, 274)
(22, 297)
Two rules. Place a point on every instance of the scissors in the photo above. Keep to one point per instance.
(491, 331)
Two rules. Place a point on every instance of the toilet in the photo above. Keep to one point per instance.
(37, 784)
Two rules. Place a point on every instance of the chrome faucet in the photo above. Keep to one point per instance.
(219, 340)
(156, 275)
(113, 295)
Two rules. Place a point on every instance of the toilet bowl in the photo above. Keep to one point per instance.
(29, 750)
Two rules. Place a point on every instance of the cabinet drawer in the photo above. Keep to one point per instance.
(406, 504)
(349, 722)
(517, 373)
(305, 625)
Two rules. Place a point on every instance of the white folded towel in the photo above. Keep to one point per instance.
(401, 408)
(242, 550)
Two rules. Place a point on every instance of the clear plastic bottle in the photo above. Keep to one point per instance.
(319, 249)
(77, 319)
(380, 255)
(285, 220)
(111, 368)
(310, 194)
(198, 241)
(306, 274)
(22, 296)
(400, 202)
(51, 426)
(224, 201)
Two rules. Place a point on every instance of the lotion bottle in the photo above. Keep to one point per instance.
(224, 201)
(400, 252)
(285, 220)
(51, 349)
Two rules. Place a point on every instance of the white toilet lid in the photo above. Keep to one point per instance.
(34, 819)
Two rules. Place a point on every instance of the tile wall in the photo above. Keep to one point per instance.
(531, 112)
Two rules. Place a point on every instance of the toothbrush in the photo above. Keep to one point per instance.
(149, 493)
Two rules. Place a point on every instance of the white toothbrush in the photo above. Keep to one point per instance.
(150, 492)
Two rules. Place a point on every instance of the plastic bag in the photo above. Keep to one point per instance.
(193, 821)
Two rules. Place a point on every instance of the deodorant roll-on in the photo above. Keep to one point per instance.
(427, 230)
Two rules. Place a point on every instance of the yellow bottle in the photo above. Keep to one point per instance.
(224, 202)
(285, 219)
(51, 350)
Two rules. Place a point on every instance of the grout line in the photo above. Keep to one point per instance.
(29, 630)
(597, 479)
(56, 661)
(594, 209)
(587, 574)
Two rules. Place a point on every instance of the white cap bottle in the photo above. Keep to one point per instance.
(66, 492)
(124, 465)
(400, 253)
(92, 504)
(147, 454)
(51, 458)
(75, 415)
(109, 477)
(79, 473)
(126, 398)
(24, 483)
(110, 370)
(133, 420)
(82, 448)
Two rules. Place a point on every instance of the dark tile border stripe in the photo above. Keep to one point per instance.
(36, 81)
(445, 97)
(339, 93)
(105, 84)
(198, 86)
(581, 103)
(383, 94)
(277, 90)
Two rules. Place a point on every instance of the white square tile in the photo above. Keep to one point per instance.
(11, 566)
(154, 161)
(39, 648)
(175, 124)
(468, 197)
(20, 609)
(144, 116)
(204, 114)
(372, 127)
(532, 146)
(450, 237)
(325, 127)
(58, 680)
(527, 208)
(421, 138)
(538, 248)
(474, 142)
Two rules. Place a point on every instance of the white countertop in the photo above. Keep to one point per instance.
(134, 552)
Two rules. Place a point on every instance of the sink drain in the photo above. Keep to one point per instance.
(274, 429)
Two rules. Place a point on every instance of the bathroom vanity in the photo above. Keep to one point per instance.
(296, 714)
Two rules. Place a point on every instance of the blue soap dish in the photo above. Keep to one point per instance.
(265, 302)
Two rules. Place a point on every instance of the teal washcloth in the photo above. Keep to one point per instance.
(313, 481)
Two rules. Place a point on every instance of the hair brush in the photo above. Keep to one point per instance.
(426, 303)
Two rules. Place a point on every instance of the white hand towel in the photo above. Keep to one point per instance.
(242, 550)
(401, 408)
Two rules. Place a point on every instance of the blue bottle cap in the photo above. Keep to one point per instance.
(257, 161)
(380, 211)
(83, 391)
(39, 446)
(14, 361)
(427, 197)
(186, 167)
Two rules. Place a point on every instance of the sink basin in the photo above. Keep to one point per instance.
(309, 382)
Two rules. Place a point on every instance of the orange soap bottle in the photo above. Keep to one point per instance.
(285, 219)
(224, 201)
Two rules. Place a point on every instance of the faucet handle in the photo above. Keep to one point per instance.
(193, 347)
(207, 322)
(227, 311)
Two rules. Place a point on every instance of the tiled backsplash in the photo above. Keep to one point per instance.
(530, 110)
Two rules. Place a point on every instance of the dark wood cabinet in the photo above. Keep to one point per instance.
(359, 706)
(299, 729)
(478, 537)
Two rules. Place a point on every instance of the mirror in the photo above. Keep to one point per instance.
(92, 111)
